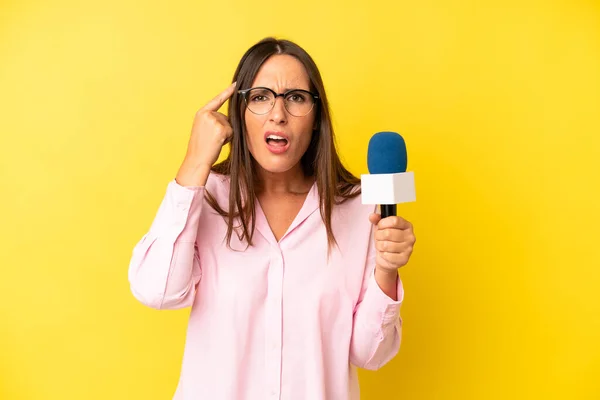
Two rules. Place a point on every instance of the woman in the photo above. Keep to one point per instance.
(293, 283)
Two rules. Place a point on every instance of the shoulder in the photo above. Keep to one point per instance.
(353, 207)
(217, 187)
(217, 181)
(353, 229)
(352, 200)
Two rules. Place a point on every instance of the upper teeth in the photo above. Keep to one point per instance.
(275, 137)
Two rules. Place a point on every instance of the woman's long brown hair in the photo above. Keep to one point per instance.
(334, 182)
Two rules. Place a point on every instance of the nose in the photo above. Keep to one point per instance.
(278, 113)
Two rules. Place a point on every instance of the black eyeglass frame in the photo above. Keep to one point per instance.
(244, 93)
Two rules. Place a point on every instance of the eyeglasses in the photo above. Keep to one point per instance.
(261, 100)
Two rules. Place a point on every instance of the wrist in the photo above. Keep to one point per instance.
(192, 174)
(388, 274)
(387, 281)
(195, 163)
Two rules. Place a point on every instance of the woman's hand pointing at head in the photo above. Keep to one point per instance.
(210, 131)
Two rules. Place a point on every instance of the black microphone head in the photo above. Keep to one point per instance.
(387, 153)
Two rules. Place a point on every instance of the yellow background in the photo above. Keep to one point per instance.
(499, 103)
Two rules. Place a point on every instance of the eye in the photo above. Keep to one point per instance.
(260, 96)
(297, 97)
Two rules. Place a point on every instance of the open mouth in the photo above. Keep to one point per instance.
(276, 141)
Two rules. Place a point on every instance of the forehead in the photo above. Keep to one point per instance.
(282, 72)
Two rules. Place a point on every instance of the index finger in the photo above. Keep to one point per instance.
(220, 99)
(394, 222)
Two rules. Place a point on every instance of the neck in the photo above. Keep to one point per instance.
(292, 181)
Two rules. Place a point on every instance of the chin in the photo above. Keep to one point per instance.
(276, 165)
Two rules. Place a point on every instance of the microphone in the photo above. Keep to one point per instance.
(387, 183)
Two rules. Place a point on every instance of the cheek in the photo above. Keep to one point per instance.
(253, 129)
(308, 129)
(306, 138)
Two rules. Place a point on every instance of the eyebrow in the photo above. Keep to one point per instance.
(285, 89)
